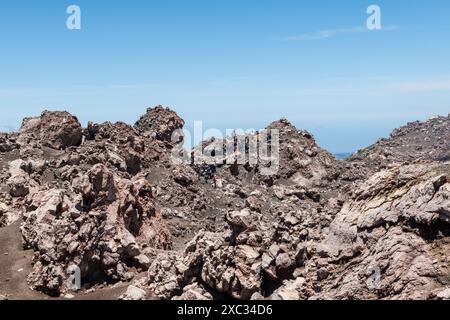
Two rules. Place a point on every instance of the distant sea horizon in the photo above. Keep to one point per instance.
(342, 155)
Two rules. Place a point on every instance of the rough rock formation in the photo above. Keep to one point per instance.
(57, 130)
(107, 203)
(8, 142)
(414, 142)
(160, 122)
(100, 223)
(390, 241)
(302, 161)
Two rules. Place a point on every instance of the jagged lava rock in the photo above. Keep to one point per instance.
(160, 122)
(58, 130)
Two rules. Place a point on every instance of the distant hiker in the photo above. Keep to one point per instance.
(206, 171)
(235, 141)
(215, 181)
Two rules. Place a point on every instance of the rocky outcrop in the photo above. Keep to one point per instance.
(160, 122)
(8, 142)
(417, 141)
(105, 204)
(57, 130)
(101, 225)
(302, 161)
(251, 257)
(388, 241)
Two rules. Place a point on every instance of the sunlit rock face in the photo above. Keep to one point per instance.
(108, 202)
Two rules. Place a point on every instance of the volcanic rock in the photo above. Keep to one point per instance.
(160, 122)
(107, 204)
(57, 130)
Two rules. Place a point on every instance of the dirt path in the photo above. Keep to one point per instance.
(15, 265)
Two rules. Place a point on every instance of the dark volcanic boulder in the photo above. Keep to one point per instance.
(301, 160)
(57, 130)
(160, 122)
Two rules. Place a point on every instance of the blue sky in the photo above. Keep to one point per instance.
(232, 64)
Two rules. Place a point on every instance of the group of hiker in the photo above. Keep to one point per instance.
(206, 172)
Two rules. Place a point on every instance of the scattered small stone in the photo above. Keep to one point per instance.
(133, 293)
(444, 295)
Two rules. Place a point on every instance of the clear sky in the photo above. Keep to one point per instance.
(230, 63)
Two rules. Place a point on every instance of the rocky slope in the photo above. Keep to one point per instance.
(108, 201)
(414, 142)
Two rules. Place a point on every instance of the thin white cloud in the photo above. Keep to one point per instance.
(340, 86)
(423, 86)
(325, 34)
(133, 86)
(371, 86)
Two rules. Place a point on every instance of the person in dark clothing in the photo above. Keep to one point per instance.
(206, 171)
